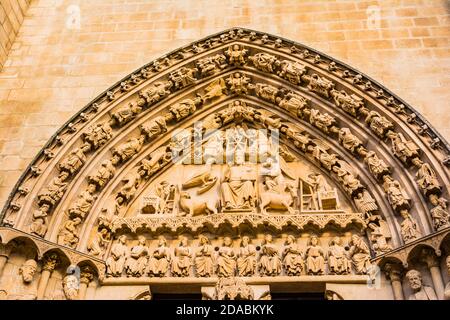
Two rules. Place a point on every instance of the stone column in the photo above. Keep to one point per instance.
(86, 276)
(394, 272)
(432, 261)
(5, 250)
(49, 264)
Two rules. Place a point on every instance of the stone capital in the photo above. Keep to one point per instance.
(429, 258)
(49, 262)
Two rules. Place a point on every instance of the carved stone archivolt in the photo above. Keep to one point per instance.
(241, 131)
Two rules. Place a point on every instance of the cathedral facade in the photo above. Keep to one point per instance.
(243, 166)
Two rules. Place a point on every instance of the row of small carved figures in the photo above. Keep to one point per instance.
(225, 262)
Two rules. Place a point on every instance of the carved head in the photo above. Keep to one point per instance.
(268, 238)
(355, 238)
(141, 240)
(415, 279)
(313, 241)
(162, 241)
(123, 239)
(91, 188)
(447, 263)
(336, 241)
(227, 241)
(290, 239)
(28, 270)
(245, 241)
(183, 241)
(71, 286)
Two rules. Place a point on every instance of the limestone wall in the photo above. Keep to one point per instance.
(68, 51)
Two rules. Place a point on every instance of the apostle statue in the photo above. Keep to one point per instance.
(158, 264)
(116, 260)
(337, 258)
(226, 263)
(360, 254)
(292, 257)
(182, 259)
(420, 292)
(204, 263)
(315, 261)
(270, 261)
(439, 213)
(246, 261)
(137, 261)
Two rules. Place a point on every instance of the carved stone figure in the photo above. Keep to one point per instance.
(127, 150)
(159, 262)
(246, 261)
(360, 254)
(156, 161)
(427, 180)
(350, 183)
(379, 234)
(100, 242)
(405, 150)
(447, 286)
(55, 190)
(71, 287)
(376, 166)
(269, 261)
(40, 222)
(326, 159)
(137, 260)
(398, 198)
(301, 140)
(236, 54)
(103, 174)
(97, 135)
(204, 262)
(238, 83)
(68, 235)
(349, 141)
(115, 263)
(379, 124)
(125, 114)
(337, 258)
(183, 77)
(154, 128)
(185, 108)
(156, 92)
(293, 103)
(238, 187)
(182, 260)
(292, 71)
(409, 227)
(320, 85)
(84, 202)
(193, 207)
(322, 121)
(226, 260)
(365, 203)
(420, 292)
(292, 257)
(128, 190)
(439, 213)
(273, 198)
(315, 261)
(265, 62)
(349, 103)
(211, 65)
(74, 161)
